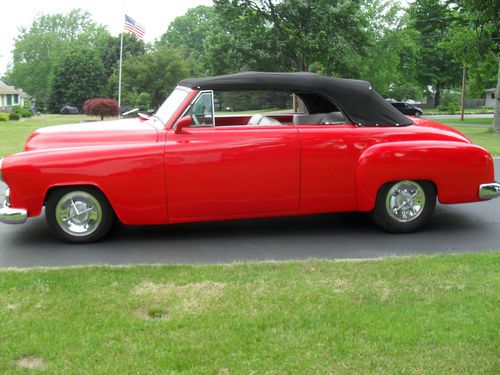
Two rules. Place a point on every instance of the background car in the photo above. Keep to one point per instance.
(69, 110)
(406, 108)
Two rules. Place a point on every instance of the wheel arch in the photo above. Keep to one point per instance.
(51, 189)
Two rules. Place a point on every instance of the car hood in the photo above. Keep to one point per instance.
(92, 133)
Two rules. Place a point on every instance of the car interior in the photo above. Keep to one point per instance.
(264, 108)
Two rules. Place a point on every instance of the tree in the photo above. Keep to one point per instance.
(78, 76)
(101, 107)
(289, 35)
(496, 122)
(156, 72)
(432, 19)
(38, 49)
(109, 50)
(143, 101)
(392, 51)
(474, 39)
(189, 31)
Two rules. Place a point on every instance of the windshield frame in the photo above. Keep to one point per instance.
(172, 107)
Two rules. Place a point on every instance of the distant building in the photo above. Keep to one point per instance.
(490, 98)
(10, 97)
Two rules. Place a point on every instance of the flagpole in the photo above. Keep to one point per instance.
(120, 76)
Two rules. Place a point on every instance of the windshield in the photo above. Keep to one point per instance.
(168, 108)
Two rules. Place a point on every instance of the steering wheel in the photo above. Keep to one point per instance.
(195, 120)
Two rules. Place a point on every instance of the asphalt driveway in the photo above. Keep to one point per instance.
(465, 227)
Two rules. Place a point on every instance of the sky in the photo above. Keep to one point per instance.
(153, 15)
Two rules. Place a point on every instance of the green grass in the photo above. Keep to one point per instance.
(481, 136)
(13, 134)
(416, 315)
(467, 120)
(433, 111)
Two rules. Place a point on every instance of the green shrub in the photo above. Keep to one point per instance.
(4, 116)
(26, 112)
(14, 116)
(450, 108)
(22, 111)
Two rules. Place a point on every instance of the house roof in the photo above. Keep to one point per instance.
(356, 99)
(6, 89)
(490, 90)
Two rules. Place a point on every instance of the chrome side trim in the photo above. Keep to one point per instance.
(489, 191)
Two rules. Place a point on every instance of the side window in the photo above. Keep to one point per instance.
(202, 110)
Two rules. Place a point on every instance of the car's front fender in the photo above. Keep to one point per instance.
(131, 176)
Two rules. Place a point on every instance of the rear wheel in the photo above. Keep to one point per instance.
(78, 214)
(417, 114)
(405, 206)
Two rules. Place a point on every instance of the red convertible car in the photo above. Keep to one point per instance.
(312, 144)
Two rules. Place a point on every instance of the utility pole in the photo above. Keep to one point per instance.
(462, 104)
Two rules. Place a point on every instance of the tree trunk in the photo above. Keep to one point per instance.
(437, 97)
(496, 120)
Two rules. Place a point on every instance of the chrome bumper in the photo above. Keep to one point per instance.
(489, 191)
(9, 215)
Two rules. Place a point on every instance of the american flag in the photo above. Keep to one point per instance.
(134, 27)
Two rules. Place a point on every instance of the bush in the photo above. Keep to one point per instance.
(4, 116)
(26, 112)
(450, 108)
(14, 116)
(101, 107)
(22, 111)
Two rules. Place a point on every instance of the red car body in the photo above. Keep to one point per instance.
(153, 174)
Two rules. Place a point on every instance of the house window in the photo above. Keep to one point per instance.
(9, 100)
(15, 99)
(492, 95)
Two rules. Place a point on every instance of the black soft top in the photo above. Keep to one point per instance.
(355, 98)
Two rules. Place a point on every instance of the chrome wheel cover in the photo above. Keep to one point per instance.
(78, 213)
(405, 201)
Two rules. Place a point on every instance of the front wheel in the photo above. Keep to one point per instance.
(78, 214)
(405, 206)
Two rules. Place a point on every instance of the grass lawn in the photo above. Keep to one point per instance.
(13, 134)
(467, 120)
(425, 315)
(433, 111)
(483, 137)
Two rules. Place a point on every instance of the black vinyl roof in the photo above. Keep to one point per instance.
(357, 99)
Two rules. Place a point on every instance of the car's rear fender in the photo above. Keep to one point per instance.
(456, 168)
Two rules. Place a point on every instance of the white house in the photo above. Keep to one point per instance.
(490, 98)
(10, 97)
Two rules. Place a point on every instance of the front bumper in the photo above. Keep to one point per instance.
(489, 191)
(9, 215)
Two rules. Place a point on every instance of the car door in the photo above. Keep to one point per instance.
(230, 171)
(329, 154)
